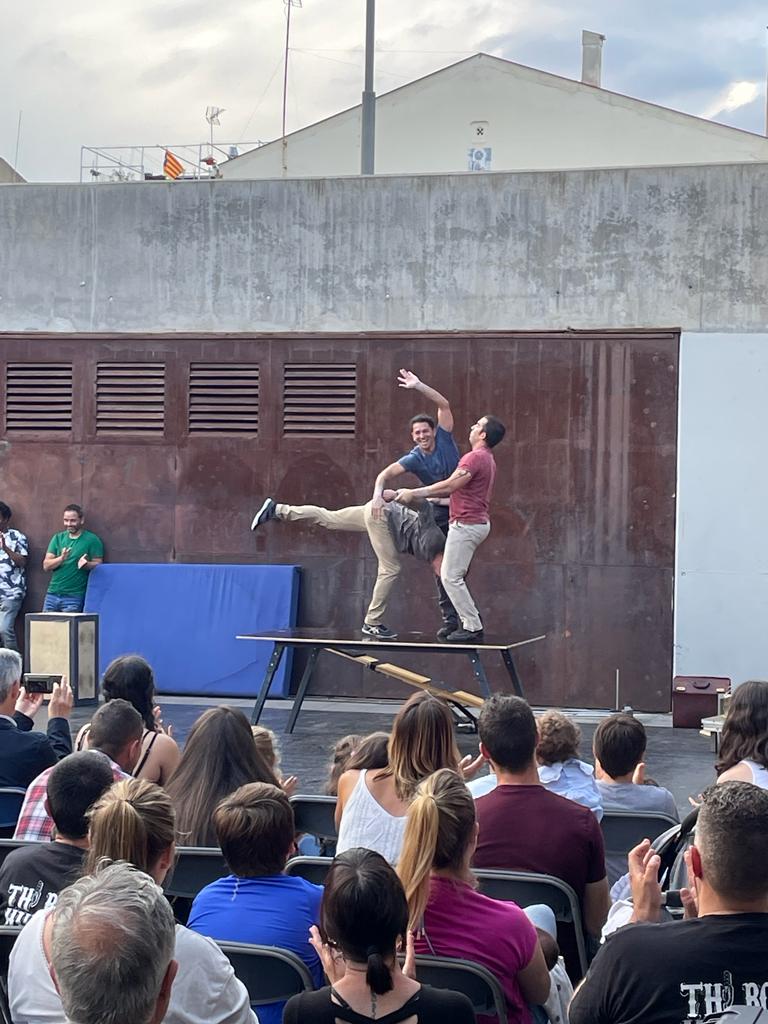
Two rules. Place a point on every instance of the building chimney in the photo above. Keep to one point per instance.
(591, 57)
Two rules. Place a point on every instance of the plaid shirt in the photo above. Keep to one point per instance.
(34, 821)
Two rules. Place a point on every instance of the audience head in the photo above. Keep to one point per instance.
(267, 745)
(130, 677)
(219, 757)
(559, 738)
(372, 753)
(619, 745)
(134, 821)
(364, 914)
(255, 830)
(116, 730)
(745, 730)
(5, 513)
(343, 750)
(729, 851)
(439, 835)
(10, 676)
(508, 733)
(422, 741)
(74, 784)
(112, 945)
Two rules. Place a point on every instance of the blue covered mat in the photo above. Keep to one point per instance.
(184, 619)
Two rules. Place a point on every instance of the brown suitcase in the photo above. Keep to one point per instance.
(694, 698)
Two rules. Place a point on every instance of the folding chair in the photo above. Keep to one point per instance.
(11, 799)
(9, 845)
(466, 976)
(195, 867)
(623, 830)
(314, 815)
(270, 974)
(313, 869)
(8, 935)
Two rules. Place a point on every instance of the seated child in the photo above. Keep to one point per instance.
(560, 769)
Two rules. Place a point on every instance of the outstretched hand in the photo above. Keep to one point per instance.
(644, 863)
(469, 767)
(406, 379)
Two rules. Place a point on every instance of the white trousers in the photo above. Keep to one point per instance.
(461, 544)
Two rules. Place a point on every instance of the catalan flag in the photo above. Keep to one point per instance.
(172, 166)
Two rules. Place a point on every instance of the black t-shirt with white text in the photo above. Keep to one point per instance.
(677, 972)
(32, 877)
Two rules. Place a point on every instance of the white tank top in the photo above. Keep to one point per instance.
(759, 773)
(364, 822)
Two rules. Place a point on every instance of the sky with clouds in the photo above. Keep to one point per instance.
(130, 73)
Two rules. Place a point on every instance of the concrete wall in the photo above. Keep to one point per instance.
(531, 120)
(722, 555)
(685, 246)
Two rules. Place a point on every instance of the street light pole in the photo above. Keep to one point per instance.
(368, 133)
(289, 4)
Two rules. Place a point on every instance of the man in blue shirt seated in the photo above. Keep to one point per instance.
(257, 903)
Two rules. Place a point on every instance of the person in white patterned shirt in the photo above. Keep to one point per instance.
(13, 584)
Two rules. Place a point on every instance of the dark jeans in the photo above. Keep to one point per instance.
(63, 602)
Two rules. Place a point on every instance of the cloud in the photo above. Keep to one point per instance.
(738, 94)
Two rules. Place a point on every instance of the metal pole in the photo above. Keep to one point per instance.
(368, 134)
(18, 139)
(285, 84)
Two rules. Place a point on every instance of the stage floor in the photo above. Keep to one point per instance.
(679, 759)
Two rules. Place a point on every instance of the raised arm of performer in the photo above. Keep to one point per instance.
(426, 438)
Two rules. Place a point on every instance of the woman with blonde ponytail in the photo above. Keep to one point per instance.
(134, 821)
(446, 912)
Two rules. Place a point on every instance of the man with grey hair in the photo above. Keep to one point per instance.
(112, 944)
(24, 753)
(685, 971)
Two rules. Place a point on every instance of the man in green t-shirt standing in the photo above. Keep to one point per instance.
(70, 557)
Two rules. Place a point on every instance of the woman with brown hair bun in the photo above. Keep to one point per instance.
(743, 755)
(363, 922)
(372, 805)
(219, 757)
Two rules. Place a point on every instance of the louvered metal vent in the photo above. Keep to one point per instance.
(130, 398)
(319, 398)
(38, 396)
(223, 398)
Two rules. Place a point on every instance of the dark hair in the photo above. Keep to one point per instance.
(364, 913)
(745, 730)
(130, 677)
(559, 738)
(422, 417)
(372, 753)
(619, 744)
(75, 783)
(113, 726)
(494, 430)
(5, 511)
(219, 757)
(422, 741)
(343, 750)
(255, 829)
(72, 507)
(730, 836)
(508, 731)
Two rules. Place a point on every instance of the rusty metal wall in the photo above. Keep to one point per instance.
(582, 543)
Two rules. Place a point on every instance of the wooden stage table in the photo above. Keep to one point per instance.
(317, 640)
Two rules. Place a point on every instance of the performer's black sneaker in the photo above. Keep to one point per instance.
(466, 636)
(445, 631)
(379, 632)
(267, 511)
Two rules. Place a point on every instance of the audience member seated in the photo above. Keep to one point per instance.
(447, 914)
(268, 746)
(32, 876)
(524, 827)
(619, 747)
(130, 678)
(743, 754)
(257, 903)
(686, 970)
(134, 822)
(23, 753)
(364, 917)
(112, 945)
(116, 730)
(372, 805)
(560, 770)
(343, 749)
(219, 757)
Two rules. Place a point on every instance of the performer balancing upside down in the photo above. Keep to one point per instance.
(469, 487)
(433, 458)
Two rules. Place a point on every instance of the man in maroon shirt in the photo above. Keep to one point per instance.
(525, 827)
(469, 488)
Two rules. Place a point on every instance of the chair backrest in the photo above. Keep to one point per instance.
(623, 830)
(195, 867)
(315, 815)
(11, 799)
(8, 935)
(526, 888)
(313, 869)
(9, 845)
(270, 974)
(474, 980)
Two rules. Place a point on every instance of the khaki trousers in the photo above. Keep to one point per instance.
(462, 542)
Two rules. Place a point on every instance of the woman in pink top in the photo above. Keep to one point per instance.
(448, 915)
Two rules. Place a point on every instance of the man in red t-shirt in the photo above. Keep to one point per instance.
(469, 488)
